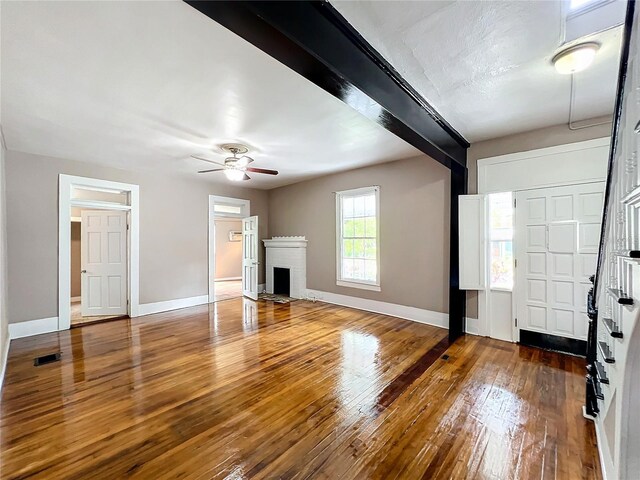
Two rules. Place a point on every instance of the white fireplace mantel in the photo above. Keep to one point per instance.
(290, 253)
(285, 242)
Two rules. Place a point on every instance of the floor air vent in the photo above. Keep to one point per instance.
(52, 357)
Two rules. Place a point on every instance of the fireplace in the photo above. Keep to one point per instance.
(281, 281)
(287, 266)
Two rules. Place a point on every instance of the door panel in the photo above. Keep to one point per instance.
(103, 251)
(556, 240)
(250, 257)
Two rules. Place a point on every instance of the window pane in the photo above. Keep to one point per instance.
(347, 207)
(347, 268)
(358, 206)
(501, 214)
(502, 264)
(347, 248)
(222, 208)
(348, 228)
(371, 270)
(370, 227)
(358, 227)
(370, 249)
(358, 269)
(358, 248)
(370, 205)
(501, 235)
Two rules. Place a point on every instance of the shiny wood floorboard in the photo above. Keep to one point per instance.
(242, 389)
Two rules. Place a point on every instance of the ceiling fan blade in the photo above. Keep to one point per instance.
(212, 170)
(262, 170)
(244, 161)
(246, 177)
(207, 160)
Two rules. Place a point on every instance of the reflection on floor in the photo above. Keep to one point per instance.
(226, 289)
(243, 389)
(78, 319)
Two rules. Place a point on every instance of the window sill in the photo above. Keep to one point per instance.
(362, 286)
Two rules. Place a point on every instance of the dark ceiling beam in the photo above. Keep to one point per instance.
(315, 41)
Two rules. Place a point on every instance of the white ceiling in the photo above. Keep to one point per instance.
(486, 65)
(141, 85)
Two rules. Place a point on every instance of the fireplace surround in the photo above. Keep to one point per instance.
(287, 253)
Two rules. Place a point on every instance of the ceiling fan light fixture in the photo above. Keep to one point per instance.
(233, 174)
(576, 58)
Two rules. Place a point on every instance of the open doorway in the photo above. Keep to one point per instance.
(99, 263)
(106, 215)
(228, 261)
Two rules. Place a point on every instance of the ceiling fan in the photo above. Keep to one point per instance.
(235, 167)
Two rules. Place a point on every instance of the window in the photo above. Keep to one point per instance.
(358, 232)
(501, 240)
(221, 208)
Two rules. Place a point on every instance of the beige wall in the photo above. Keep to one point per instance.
(228, 254)
(4, 294)
(541, 138)
(75, 259)
(173, 231)
(521, 142)
(414, 229)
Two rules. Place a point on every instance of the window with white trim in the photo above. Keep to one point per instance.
(358, 227)
(501, 240)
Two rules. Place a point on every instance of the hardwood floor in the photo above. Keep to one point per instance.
(77, 320)
(241, 389)
(226, 289)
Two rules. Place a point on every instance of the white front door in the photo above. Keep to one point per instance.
(103, 254)
(556, 240)
(250, 257)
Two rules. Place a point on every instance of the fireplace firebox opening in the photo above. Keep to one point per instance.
(281, 281)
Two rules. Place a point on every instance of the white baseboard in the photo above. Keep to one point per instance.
(604, 465)
(262, 287)
(75, 299)
(33, 327)
(227, 279)
(419, 315)
(157, 307)
(473, 326)
(5, 356)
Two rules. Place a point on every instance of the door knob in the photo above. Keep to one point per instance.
(83, 271)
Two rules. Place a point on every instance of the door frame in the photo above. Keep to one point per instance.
(66, 185)
(245, 211)
(582, 163)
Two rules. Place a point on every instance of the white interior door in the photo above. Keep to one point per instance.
(556, 241)
(103, 253)
(250, 257)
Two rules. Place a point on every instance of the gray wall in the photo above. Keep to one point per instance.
(173, 231)
(4, 294)
(228, 254)
(414, 229)
(521, 142)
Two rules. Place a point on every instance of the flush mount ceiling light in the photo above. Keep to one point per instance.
(576, 58)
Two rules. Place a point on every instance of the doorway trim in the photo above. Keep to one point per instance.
(244, 211)
(66, 185)
(581, 163)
